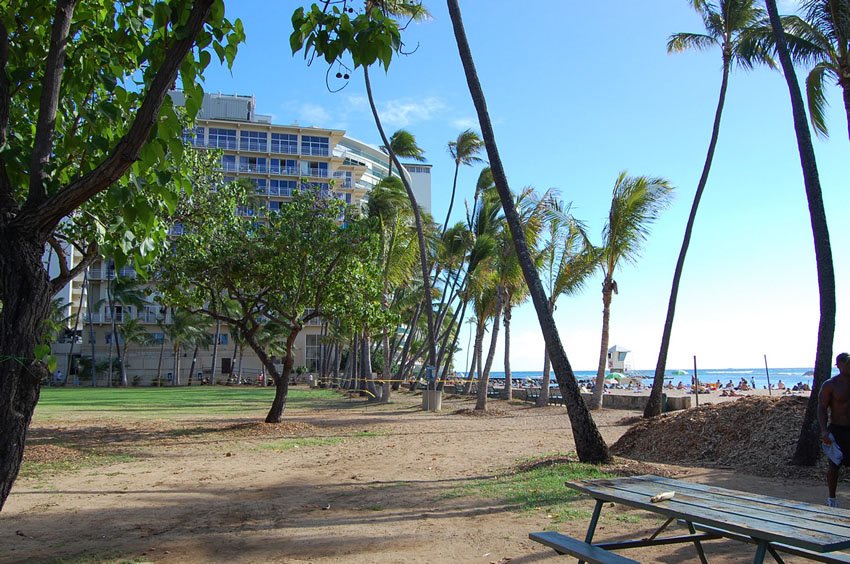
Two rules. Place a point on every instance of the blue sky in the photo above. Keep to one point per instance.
(577, 95)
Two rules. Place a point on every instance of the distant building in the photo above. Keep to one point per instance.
(274, 158)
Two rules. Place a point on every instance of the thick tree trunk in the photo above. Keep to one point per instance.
(281, 380)
(159, 362)
(477, 349)
(808, 444)
(484, 379)
(653, 406)
(508, 394)
(590, 446)
(25, 294)
(599, 389)
(366, 367)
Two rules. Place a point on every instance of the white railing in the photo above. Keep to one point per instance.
(317, 172)
(261, 168)
(316, 151)
(284, 149)
(255, 146)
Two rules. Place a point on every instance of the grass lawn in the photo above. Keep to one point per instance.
(157, 403)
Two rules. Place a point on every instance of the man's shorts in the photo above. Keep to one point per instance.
(842, 438)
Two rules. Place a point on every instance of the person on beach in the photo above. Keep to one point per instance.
(834, 406)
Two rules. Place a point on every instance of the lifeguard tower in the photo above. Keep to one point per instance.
(618, 359)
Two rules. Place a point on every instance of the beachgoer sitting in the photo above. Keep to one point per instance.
(680, 386)
(669, 385)
(730, 385)
(780, 385)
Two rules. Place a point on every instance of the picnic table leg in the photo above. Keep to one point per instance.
(760, 552)
(593, 520)
(698, 544)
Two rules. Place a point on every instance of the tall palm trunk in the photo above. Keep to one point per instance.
(653, 406)
(484, 377)
(808, 444)
(159, 362)
(215, 351)
(508, 395)
(607, 291)
(590, 445)
(417, 218)
(90, 307)
(113, 341)
(452, 200)
(69, 366)
(543, 398)
(192, 366)
(366, 367)
(476, 357)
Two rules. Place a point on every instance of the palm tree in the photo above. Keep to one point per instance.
(464, 150)
(403, 144)
(132, 331)
(185, 329)
(635, 205)
(568, 260)
(727, 23)
(820, 38)
(590, 446)
(121, 294)
(807, 445)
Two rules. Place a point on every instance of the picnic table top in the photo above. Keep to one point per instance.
(804, 525)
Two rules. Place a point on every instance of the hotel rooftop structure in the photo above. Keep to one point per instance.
(274, 158)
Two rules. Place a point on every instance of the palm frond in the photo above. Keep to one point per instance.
(817, 98)
(680, 42)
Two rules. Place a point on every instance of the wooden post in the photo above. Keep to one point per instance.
(766, 371)
(696, 381)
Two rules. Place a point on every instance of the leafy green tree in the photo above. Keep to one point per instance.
(135, 333)
(807, 450)
(82, 155)
(298, 264)
(464, 151)
(635, 205)
(590, 446)
(727, 24)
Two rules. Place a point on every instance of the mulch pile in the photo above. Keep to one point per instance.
(284, 429)
(757, 435)
(52, 453)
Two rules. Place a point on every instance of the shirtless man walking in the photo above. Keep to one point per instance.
(834, 400)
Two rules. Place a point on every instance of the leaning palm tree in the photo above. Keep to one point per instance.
(464, 150)
(807, 445)
(821, 38)
(590, 446)
(635, 205)
(727, 23)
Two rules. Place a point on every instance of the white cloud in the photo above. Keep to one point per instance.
(313, 114)
(465, 123)
(405, 111)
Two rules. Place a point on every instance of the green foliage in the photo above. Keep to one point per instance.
(332, 32)
(113, 53)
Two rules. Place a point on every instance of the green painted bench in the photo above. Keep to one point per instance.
(585, 552)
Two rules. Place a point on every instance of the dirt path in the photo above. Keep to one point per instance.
(370, 488)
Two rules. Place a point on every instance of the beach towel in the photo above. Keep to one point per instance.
(832, 451)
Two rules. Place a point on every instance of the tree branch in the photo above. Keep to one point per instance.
(67, 274)
(44, 217)
(49, 103)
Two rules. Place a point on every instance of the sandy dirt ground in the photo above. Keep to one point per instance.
(207, 491)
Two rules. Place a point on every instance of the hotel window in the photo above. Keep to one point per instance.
(314, 168)
(343, 179)
(284, 143)
(281, 188)
(252, 164)
(228, 163)
(157, 338)
(254, 141)
(418, 169)
(284, 166)
(222, 138)
(311, 145)
(194, 136)
(274, 205)
(259, 185)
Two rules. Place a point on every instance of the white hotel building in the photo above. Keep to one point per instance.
(272, 157)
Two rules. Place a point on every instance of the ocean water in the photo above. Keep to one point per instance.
(789, 376)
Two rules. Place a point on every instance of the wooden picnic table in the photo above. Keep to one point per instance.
(774, 525)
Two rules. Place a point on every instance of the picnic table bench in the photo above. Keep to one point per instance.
(774, 525)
